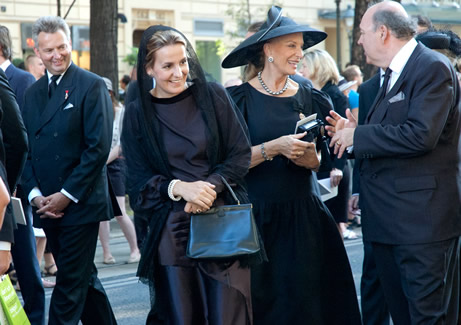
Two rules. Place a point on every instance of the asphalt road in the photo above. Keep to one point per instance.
(130, 298)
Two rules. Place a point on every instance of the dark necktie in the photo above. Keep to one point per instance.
(383, 90)
(53, 85)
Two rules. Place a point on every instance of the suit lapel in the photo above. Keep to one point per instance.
(60, 97)
(376, 114)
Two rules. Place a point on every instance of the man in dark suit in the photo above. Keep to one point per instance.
(19, 79)
(25, 254)
(13, 152)
(373, 305)
(68, 117)
(410, 169)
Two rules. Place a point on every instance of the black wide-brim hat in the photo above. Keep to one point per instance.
(275, 26)
(434, 40)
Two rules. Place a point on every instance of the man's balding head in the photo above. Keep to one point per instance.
(385, 28)
(392, 15)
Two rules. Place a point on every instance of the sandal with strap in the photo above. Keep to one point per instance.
(47, 270)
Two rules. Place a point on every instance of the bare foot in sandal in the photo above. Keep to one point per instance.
(50, 270)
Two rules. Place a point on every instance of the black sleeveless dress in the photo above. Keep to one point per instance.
(307, 279)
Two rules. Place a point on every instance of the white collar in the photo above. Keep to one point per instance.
(5, 65)
(401, 58)
(60, 78)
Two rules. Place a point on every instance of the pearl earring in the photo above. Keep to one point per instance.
(270, 59)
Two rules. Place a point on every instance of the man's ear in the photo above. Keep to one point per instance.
(37, 53)
(384, 33)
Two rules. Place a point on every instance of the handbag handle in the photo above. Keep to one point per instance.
(230, 190)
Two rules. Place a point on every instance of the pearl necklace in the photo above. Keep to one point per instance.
(267, 88)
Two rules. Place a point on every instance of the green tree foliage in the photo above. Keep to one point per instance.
(132, 57)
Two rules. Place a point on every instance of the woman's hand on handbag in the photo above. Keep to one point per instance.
(200, 193)
(193, 208)
(310, 158)
(336, 175)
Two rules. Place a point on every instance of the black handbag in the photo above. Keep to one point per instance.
(223, 232)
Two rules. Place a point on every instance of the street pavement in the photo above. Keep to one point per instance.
(130, 298)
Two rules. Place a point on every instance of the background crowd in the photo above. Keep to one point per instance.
(72, 151)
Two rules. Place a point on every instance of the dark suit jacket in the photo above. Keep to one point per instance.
(19, 80)
(410, 174)
(13, 148)
(69, 137)
(368, 91)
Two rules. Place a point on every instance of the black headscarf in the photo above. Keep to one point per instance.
(201, 91)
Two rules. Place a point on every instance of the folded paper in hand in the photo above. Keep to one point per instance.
(18, 211)
(314, 129)
(326, 191)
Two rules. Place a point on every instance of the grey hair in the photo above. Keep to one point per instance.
(49, 24)
(5, 42)
(401, 27)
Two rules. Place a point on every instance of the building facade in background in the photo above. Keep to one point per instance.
(206, 23)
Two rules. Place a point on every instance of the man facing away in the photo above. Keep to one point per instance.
(410, 169)
(68, 117)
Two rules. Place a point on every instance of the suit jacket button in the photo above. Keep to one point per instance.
(55, 134)
(37, 159)
(37, 136)
(374, 176)
(60, 179)
(56, 157)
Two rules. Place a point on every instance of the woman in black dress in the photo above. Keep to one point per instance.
(179, 139)
(307, 279)
(321, 69)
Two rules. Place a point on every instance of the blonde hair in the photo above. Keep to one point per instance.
(159, 40)
(321, 66)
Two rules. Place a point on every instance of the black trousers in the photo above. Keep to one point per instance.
(373, 303)
(420, 282)
(78, 294)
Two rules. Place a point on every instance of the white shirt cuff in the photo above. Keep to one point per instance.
(5, 246)
(63, 191)
(33, 194)
(350, 149)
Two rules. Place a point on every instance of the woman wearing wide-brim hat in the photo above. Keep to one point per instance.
(307, 279)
